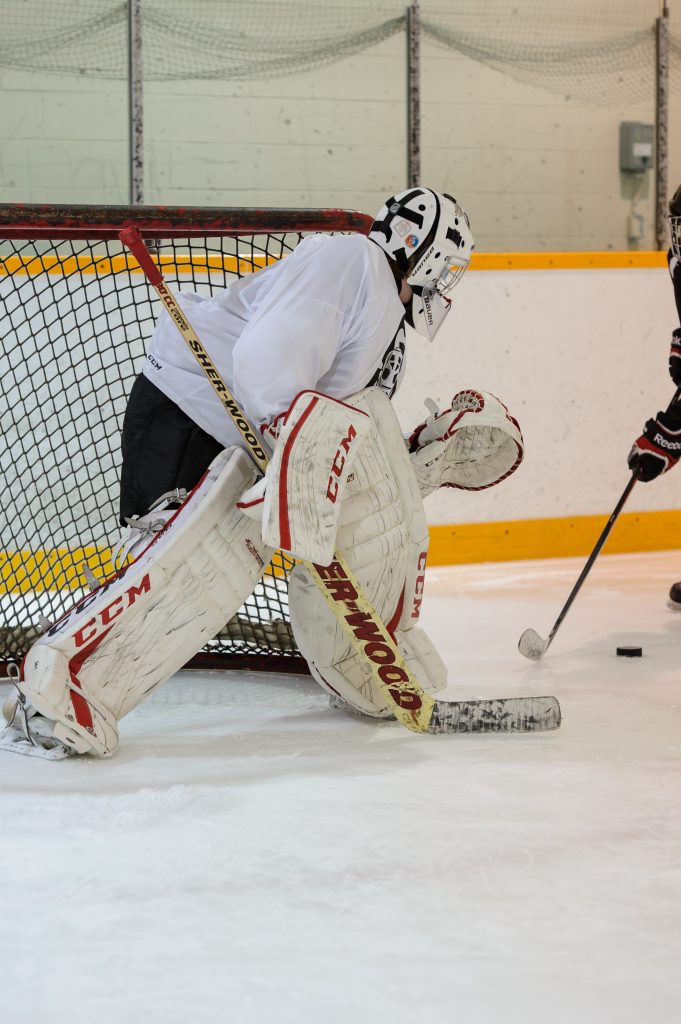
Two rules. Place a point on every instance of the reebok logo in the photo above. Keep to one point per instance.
(663, 442)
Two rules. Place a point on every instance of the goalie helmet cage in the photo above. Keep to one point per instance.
(76, 312)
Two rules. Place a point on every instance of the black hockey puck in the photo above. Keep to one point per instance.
(630, 652)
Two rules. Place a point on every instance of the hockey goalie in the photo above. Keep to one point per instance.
(313, 347)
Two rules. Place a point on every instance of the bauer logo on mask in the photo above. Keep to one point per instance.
(432, 310)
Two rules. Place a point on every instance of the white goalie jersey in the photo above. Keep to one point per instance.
(327, 317)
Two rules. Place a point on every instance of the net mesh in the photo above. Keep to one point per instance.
(77, 313)
(602, 53)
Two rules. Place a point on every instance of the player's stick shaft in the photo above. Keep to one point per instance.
(412, 706)
(536, 648)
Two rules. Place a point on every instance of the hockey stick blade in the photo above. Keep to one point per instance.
(507, 714)
(532, 646)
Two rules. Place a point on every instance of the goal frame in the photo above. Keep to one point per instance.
(36, 221)
(64, 223)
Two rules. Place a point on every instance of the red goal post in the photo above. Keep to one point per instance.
(76, 312)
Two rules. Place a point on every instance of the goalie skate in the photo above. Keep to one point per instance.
(27, 732)
(140, 626)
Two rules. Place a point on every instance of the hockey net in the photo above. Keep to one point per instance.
(76, 313)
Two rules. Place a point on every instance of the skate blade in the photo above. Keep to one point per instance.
(12, 741)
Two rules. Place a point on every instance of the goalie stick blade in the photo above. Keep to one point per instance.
(532, 646)
(508, 714)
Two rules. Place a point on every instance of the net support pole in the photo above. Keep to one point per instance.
(135, 105)
(413, 94)
(661, 125)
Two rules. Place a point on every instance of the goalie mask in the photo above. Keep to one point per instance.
(428, 236)
(675, 223)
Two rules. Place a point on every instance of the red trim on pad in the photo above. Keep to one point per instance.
(392, 625)
(80, 705)
(284, 524)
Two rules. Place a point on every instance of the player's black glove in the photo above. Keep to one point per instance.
(659, 446)
(675, 357)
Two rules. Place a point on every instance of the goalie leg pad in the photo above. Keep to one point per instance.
(384, 536)
(308, 474)
(335, 665)
(139, 627)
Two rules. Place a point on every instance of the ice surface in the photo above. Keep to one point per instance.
(251, 857)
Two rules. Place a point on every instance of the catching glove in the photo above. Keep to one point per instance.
(659, 446)
(473, 444)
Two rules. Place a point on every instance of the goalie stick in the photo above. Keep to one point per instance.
(531, 645)
(411, 705)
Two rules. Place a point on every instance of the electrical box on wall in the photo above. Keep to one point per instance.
(636, 147)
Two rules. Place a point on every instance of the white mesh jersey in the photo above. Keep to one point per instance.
(328, 317)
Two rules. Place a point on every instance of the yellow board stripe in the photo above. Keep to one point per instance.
(184, 264)
(60, 568)
(23, 572)
(54, 569)
(92, 264)
(566, 260)
(552, 538)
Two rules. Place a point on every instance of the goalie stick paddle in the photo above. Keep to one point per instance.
(506, 714)
(531, 644)
(411, 705)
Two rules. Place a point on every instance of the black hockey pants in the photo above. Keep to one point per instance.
(162, 449)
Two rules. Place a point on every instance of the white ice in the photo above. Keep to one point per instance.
(251, 857)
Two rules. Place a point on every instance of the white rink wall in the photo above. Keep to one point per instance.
(580, 358)
(536, 170)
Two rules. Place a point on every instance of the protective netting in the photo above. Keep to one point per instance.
(600, 52)
(76, 314)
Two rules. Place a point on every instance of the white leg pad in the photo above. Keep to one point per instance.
(334, 663)
(384, 536)
(139, 627)
(306, 479)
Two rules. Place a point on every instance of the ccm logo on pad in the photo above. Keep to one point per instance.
(89, 630)
(338, 464)
(419, 585)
